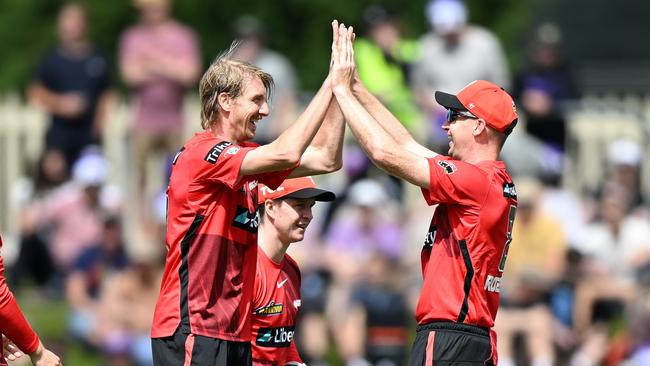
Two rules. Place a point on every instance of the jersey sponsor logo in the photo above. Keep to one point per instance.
(233, 150)
(270, 309)
(275, 337)
(431, 237)
(178, 154)
(509, 190)
(492, 284)
(246, 220)
(216, 150)
(281, 283)
(448, 166)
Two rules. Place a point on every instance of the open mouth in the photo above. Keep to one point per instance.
(253, 122)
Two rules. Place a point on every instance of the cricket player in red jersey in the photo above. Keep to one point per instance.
(285, 215)
(16, 335)
(467, 244)
(203, 314)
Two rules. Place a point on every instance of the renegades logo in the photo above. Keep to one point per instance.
(275, 337)
(216, 150)
(448, 166)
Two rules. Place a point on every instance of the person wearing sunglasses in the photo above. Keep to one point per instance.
(466, 247)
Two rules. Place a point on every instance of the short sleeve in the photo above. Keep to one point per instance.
(454, 182)
(274, 179)
(219, 163)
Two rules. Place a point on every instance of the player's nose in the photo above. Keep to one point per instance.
(264, 110)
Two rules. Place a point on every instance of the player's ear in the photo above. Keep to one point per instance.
(225, 102)
(479, 127)
(270, 207)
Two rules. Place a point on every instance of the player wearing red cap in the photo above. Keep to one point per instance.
(285, 216)
(15, 333)
(467, 243)
(203, 314)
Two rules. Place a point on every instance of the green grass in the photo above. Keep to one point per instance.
(48, 318)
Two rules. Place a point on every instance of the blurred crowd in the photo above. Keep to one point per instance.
(577, 285)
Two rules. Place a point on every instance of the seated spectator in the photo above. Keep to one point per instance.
(84, 283)
(376, 326)
(71, 216)
(614, 246)
(624, 159)
(128, 300)
(29, 195)
(365, 225)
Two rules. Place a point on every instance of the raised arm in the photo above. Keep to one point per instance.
(382, 148)
(286, 151)
(325, 153)
(386, 119)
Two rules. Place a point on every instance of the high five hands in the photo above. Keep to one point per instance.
(342, 65)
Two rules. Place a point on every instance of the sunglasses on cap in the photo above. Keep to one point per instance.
(453, 114)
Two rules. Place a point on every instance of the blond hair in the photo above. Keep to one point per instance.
(227, 75)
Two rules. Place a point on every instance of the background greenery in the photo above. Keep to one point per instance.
(602, 35)
(298, 28)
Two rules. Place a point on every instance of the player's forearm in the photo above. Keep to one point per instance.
(12, 322)
(373, 138)
(37, 94)
(104, 104)
(295, 139)
(325, 153)
(380, 113)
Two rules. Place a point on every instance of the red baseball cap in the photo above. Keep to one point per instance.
(303, 187)
(486, 101)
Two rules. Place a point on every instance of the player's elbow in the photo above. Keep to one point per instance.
(331, 166)
(379, 154)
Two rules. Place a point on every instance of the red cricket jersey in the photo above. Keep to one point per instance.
(212, 221)
(12, 322)
(275, 308)
(467, 244)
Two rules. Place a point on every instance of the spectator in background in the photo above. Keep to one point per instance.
(535, 264)
(159, 60)
(624, 158)
(253, 49)
(375, 329)
(85, 281)
(72, 85)
(453, 54)
(366, 224)
(542, 87)
(29, 195)
(70, 219)
(615, 245)
(127, 301)
(384, 60)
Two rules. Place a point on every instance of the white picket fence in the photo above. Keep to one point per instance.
(22, 129)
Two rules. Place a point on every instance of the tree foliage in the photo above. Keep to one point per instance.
(298, 28)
